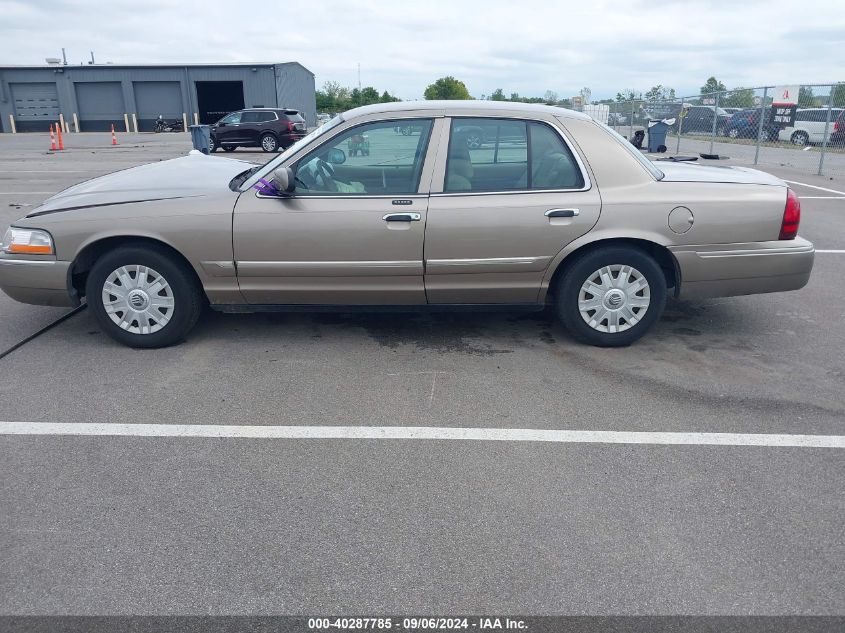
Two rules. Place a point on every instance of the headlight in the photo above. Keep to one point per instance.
(27, 241)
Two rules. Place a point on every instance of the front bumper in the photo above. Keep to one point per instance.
(725, 270)
(37, 281)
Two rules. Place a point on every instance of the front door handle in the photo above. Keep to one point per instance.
(402, 217)
(562, 213)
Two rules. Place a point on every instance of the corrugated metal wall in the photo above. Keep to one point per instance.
(148, 91)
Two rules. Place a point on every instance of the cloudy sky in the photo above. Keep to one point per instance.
(523, 46)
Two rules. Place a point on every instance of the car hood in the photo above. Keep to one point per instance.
(190, 176)
(694, 172)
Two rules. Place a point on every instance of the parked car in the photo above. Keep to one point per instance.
(566, 214)
(837, 139)
(746, 124)
(699, 119)
(323, 118)
(732, 111)
(809, 126)
(267, 128)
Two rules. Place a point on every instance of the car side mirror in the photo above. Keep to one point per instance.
(221, 124)
(285, 180)
(336, 156)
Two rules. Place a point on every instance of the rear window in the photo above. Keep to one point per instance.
(293, 115)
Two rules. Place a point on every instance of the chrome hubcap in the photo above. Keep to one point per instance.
(269, 143)
(138, 299)
(614, 298)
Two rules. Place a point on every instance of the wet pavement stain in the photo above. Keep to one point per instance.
(440, 332)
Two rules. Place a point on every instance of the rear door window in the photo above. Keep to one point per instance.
(491, 155)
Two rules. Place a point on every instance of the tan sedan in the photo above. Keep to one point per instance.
(438, 205)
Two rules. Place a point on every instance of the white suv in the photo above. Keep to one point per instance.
(809, 126)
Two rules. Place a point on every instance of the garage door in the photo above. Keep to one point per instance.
(154, 98)
(36, 105)
(100, 105)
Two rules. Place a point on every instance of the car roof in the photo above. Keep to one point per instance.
(458, 106)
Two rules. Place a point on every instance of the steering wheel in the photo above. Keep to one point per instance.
(326, 173)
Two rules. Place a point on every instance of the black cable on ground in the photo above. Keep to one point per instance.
(46, 328)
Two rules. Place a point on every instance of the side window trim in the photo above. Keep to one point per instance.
(424, 155)
(441, 172)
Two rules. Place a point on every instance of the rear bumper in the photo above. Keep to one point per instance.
(725, 270)
(37, 281)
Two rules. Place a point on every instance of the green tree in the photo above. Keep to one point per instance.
(369, 95)
(498, 95)
(738, 98)
(660, 93)
(629, 94)
(712, 85)
(447, 88)
(386, 97)
(806, 98)
(550, 96)
(837, 95)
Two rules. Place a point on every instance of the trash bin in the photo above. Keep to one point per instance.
(657, 134)
(201, 137)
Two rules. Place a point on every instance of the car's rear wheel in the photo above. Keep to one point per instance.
(799, 138)
(143, 297)
(611, 296)
(269, 143)
(474, 140)
(212, 144)
(733, 133)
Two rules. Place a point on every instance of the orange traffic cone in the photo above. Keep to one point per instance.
(52, 139)
(59, 134)
(113, 135)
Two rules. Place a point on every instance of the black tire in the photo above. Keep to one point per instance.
(582, 268)
(188, 299)
(212, 145)
(269, 142)
(800, 138)
(230, 148)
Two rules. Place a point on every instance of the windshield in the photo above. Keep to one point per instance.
(645, 162)
(270, 165)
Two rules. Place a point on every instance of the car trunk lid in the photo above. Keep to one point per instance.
(695, 172)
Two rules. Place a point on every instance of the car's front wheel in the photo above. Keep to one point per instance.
(611, 296)
(269, 143)
(143, 297)
(733, 133)
(212, 144)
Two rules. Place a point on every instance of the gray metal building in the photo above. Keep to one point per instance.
(96, 96)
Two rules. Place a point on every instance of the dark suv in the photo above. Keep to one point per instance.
(267, 128)
(746, 124)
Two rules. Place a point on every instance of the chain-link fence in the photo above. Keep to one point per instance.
(803, 129)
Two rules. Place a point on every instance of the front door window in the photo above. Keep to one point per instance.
(378, 158)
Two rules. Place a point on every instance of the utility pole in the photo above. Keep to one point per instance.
(92, 58)
(64, 57)
(359, 83)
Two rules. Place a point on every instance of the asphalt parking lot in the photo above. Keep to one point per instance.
(103, 525)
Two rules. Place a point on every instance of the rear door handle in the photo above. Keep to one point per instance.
(562, 213)
(402, 217)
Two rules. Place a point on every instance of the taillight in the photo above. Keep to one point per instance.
(291, 126)
(838, 125)
(791, 216)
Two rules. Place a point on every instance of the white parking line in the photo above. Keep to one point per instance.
(804, 184)
(25, 193)
(838, 252)
(822, 197)
(421, 433)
